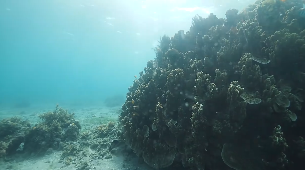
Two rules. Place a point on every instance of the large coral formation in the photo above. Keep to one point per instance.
(225, 83)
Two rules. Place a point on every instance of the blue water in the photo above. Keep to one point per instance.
(83, 51)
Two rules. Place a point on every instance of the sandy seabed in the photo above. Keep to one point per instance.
(89, 117)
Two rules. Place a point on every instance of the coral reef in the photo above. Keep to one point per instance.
(226, 88)
(114, 101)
(56, 127)
(58, 133)
(12, 135)
(22, 104)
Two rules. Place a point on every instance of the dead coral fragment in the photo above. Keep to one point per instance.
(250, 98)
(257, 59)
(282, 100)
(291, 115)
(260, 60)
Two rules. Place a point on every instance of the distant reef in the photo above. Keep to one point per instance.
(22, 104)
(228, 94)
(114, 101)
